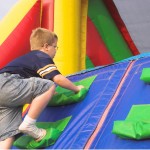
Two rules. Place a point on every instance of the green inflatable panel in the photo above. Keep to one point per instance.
(54, 130)
(66, 97)
(145, 76)
(89, 63)
(136, 125)
(109, 32)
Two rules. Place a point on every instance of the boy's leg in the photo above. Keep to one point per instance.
(6, 144)
(37, 106)
(40, 102)
(17, 91)
(10, 119)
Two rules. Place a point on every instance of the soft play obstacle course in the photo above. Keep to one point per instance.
(117, 86)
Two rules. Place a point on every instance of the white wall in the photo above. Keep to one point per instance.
(5, 6)
(136, 16)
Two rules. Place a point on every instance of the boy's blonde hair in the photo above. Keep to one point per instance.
(40, 36)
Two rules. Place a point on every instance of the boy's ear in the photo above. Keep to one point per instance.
(45, 45)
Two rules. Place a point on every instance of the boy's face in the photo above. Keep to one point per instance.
(51, 49)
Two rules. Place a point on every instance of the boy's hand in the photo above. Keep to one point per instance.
(79, 87)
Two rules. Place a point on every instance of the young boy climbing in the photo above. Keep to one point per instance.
(29, 79)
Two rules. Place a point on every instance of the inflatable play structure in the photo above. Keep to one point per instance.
(106, 40)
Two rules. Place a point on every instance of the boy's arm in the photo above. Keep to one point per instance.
(66, 83)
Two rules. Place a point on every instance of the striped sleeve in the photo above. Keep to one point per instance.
(48, 69)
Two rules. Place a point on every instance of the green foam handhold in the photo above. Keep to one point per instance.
(54, 130)
(65, 96)
(132, 129)
(124, 129)
(145, 76)
(64, 99)
(50, 138)
(139, 113)
(136, 125)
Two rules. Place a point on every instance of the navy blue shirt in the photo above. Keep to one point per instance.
(34, 64)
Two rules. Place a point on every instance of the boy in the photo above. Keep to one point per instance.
(29, 79)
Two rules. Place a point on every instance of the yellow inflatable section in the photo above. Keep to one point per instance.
(70, 25)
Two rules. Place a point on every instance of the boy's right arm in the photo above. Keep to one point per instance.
(66, 83)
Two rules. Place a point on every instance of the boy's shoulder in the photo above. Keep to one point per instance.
(38, 53)
(38, 56)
